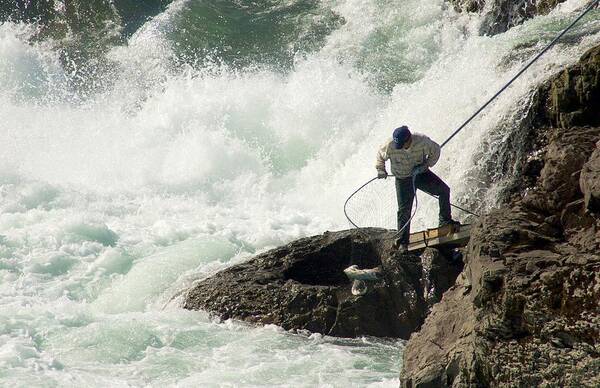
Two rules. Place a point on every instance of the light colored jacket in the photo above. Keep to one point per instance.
(423, 150)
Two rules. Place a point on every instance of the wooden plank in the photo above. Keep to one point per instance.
(431, 233)
(440, 236)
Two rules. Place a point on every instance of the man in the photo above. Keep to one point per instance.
(413, 154)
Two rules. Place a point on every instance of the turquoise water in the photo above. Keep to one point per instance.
(143, 150)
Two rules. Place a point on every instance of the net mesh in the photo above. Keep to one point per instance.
(374, 205)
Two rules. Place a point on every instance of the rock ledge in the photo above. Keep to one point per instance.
(301, 286)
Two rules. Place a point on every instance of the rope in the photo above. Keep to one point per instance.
(592, 4)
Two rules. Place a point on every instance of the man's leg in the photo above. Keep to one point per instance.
(405, 194)
(432, 184)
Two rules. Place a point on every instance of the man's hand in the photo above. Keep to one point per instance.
(382, 174)
(420, 169)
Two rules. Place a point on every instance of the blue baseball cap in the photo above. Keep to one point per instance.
(401, 135)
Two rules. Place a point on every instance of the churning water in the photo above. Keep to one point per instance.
(136, 160)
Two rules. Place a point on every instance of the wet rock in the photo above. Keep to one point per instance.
(301, 286)
(589, 181)
(468, 5)
(504, 14)
(439, 271)
(501, 15)
(573, 96)
(565, 154)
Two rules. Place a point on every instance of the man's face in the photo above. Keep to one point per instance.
(408, 143)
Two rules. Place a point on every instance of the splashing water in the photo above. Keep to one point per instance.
(185, 150)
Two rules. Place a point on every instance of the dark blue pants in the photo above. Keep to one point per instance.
(405, 193)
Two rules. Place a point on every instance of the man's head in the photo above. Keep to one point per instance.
(402, 137)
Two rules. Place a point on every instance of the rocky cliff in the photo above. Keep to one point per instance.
(526, 309)
(302, 286)
(500, 15)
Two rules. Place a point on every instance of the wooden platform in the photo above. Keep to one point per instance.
(446, 236)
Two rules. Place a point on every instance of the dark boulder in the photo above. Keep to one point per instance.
(302, 286)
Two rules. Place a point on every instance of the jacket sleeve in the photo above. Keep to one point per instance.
(433, 150)
(382, 156)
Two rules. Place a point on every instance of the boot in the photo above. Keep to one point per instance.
(454, 224)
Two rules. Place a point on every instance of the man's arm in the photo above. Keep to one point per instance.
(382, 156)
(433, 152)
